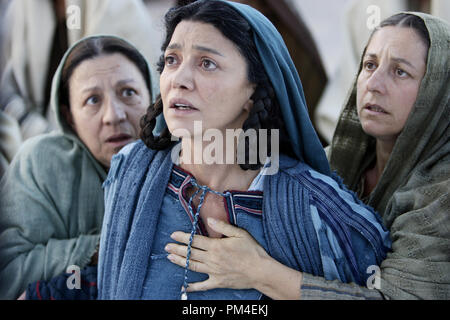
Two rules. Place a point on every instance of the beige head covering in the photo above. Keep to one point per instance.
(412, 194)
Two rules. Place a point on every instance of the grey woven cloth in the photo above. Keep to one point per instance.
(412, 194)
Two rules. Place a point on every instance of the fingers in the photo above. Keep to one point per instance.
(199, 242)
(195, 266)
(204, 243)
(226, 228)
(202, 286)
(181, 250)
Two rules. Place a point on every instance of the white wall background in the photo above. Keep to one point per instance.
(325, 21)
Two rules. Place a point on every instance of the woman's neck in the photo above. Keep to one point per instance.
(373, 175)
(383, 152)
(217, 176)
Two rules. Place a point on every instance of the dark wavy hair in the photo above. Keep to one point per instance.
(96, 46)
(265, 113)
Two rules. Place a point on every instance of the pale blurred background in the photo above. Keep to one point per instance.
(325, 39)
(339, 30)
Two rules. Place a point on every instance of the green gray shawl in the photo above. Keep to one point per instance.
(51, 202)
(412, 194)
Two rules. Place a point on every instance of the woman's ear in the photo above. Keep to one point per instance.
(248, 106)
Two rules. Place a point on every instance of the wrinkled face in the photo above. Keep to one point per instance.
(108, 96)
(393, 67)
(204, 79)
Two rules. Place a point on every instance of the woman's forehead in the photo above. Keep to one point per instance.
(111, 65)
(400, 43)
(395, 36)
(200, 36)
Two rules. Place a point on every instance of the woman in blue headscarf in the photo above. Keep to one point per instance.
(226, 74)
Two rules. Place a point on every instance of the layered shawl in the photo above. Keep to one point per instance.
(51, 205)
(413, 193)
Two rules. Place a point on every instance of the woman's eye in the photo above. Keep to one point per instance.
(401, 73)
(208, 65)
(93, 100)
(128, 92)
(369, 65)
(170, 60)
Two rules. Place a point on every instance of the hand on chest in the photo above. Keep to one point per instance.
(213, 206)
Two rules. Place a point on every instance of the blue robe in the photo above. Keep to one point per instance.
(311, 222)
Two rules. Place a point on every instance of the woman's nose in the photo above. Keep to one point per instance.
(377, 81)
(183, 77)
(114, 112)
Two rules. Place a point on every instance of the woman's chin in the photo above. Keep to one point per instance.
(181, 130)
(380, 133)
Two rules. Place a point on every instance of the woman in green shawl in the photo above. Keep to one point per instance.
(392, 146)
(51, 196)
(401, 168)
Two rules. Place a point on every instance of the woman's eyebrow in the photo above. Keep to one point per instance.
(174, 46)
(196, 47)
(89, 89)
(210, 50)
(395, 59)
(118, 83)
(401, 60)
(124, 82)
(371, 55)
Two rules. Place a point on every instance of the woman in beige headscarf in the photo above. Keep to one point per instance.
(392, 146)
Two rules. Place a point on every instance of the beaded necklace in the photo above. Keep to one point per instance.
(204, 190)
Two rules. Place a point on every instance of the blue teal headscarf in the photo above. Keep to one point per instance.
(310, 221)
(288, 88)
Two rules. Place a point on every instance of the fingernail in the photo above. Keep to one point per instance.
(167, 247)
(170, 257)
(212, 221)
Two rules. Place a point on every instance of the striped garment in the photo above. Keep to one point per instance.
(311, 222)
